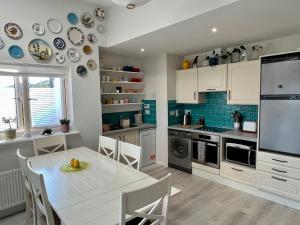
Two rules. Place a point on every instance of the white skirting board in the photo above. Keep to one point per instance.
(248, 189)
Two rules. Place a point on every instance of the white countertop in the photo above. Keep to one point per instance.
(136, 127)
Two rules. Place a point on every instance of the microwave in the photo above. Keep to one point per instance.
(241, 154)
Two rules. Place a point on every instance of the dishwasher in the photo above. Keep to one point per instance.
(148, 144)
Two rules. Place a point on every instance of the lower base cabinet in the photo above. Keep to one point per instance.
(131, 137)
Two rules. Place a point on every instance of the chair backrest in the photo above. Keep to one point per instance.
(108, 146)
(40, 195)
(130, 154)
(23, 165)
(49, 144)
(149, 203)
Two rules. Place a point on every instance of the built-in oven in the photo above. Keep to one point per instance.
(206, 149)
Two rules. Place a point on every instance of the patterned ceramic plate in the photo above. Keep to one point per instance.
(54, 26)
(72, 18)
(59, 43)
(82, 71)
(60, 58)
(99, 14)
(87, 49)
(16, 52)
(87, 20)
(91, 64)
(38, 29)
(100, 29)
(13, 31)
(73, 54)
(75, 36)
(2, 44)
(40, 50)
(92, 38)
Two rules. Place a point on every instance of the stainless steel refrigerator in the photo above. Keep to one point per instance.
(280, 104)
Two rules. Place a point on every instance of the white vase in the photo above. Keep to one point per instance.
(237, 126)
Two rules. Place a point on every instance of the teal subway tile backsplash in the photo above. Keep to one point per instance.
(215, 111)
(173, 106)
(149, 118)
(114, 118)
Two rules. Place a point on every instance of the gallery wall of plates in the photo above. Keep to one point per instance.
(77, 35)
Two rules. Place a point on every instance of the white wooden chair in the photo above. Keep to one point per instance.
(108, 146)
(29, 199)
(45, 214)
(130, 154)
(49, 144)
(150, 204)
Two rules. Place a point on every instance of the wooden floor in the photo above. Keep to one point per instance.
(203, 202)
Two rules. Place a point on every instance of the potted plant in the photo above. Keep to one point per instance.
(237, 117)
(65, 125)
(10, 133)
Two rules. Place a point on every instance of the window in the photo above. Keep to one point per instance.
(35, 100)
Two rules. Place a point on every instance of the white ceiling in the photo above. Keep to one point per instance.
(241, 22)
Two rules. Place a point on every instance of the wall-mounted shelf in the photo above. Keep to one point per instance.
(121, 82)
(125, 104)
(111, 108)
(122, 94)
(120, 71)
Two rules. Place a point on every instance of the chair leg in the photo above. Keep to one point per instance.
(30, 217)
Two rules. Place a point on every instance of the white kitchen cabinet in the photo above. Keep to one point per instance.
(186, 86)
(244, 83)
(131, 137)
(212, 78)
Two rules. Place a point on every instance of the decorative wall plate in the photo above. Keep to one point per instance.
(87, 49)
(72, 18)
(92, 38)
(91, 64)
(100, 29)
(40, 50)
(38, 29)
(82, 71)
(75, 36)
(87, 20)
(73, 54)
(13, 31)
(2, 44)
(16, 52)
(99, 14)
(54, 26)
(60, 58)
(59, 43)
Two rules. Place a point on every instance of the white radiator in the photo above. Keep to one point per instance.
(11, 189)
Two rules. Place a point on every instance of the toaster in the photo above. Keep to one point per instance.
(250, 126)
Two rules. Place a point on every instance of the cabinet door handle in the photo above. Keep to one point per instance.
(237, 169)
(229, 95)
(282, 161)
(276, 178)
(124, 138)
(211, 89)
(194, 95)
(280, 171)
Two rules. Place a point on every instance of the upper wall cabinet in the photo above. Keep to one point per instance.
(186, 86)
(243, 83)
(212, 78)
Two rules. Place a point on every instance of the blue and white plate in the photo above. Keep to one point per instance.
(72, 18)
(16, 52)
(59, 43)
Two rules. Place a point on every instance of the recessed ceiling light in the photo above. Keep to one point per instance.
(142, 50)
(214, 29)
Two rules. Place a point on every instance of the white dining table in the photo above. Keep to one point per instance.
(90, 196)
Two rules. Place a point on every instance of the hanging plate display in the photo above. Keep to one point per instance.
(59, 43)
(91, 64)
(87, 20)
(2, 44)
(60, 58)
(75, 36)
(87, 49)
(72, 18)
(54, 26)
(100, 29)
(16, 52)
(81, 71)
(99, 14)
(92, 38)
(73, 54)
(38, 29)
(40, 50)
(13, 31)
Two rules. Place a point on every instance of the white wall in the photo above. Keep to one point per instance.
(173, 64)
(85, 93)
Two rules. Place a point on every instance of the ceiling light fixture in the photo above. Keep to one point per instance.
(214, 30)
(130, 4)
(142, 50)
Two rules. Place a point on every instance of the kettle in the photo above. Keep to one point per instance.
(186, 119)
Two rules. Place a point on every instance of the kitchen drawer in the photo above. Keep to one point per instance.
(238, 173)
(278, 170)
(279, 185)
(286, 161)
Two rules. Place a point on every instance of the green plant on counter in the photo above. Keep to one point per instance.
(237, 117)
(8, 121)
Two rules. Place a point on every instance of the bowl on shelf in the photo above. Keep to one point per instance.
(135, 79)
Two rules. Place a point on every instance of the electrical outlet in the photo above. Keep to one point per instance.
(187, 111)
(147, 112)
(172, 113)
(177, 113)
(146, 106)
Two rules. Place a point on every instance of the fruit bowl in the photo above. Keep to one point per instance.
(75, 166)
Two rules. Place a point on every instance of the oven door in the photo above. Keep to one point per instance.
(206, 153)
